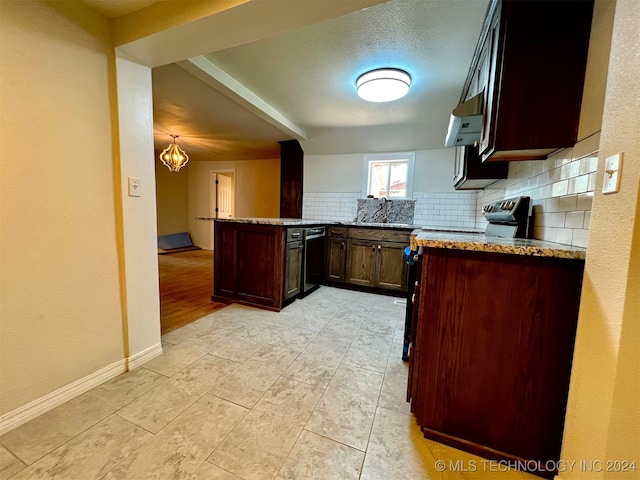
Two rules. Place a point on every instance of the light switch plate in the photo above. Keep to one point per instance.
(612, 174)
(134, 187)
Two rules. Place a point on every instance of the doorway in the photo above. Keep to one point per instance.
(222, 189)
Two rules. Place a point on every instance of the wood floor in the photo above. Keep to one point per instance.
(186, 286)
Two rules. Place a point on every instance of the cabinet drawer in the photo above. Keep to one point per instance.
(337, 232)
(294, 234)
(384, 235)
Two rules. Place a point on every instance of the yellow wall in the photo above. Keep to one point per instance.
(603, 420)
(595, 80)
(171, 198)
(60, 317)
(257, 185)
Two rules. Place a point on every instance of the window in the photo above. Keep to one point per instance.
(388, 175)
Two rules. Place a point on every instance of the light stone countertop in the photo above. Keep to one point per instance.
(481, 243)
(434, 237)
(293, 222)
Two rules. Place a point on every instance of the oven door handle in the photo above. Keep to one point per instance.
(311, 237)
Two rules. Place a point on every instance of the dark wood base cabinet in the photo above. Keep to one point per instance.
(491, 352)
(257, 265)
(367, 258)
(336, 254)
(375, 258)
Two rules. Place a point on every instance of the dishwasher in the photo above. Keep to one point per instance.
(313, 259)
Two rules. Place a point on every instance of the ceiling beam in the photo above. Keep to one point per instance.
(215, 77)
(168, 32)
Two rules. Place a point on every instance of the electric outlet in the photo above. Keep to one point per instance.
(134, 187)
(612, 173)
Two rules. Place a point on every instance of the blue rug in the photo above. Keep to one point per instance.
(175, 242)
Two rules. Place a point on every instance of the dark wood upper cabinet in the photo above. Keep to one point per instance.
(291, 175)
(471, 173)
(530, 64)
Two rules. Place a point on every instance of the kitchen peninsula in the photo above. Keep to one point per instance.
(262, 261)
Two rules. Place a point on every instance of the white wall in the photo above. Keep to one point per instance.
(60, 300)
(332, 173)
(343, 173)
(333, 183)
(135, 113)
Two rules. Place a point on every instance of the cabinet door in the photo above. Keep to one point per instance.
(530, 114)
(259, 251)
(458, 166)
(225, 270)
(293, 269)
(414, 351)
(391, 266)
(489, 70)
(291, 176)
(474, 173)
(361, 262)
(336, 257)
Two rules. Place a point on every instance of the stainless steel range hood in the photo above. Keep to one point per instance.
(465, 125)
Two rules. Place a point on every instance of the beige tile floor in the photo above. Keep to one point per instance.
(316, 391)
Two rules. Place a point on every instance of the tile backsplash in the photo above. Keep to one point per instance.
(561, 188)
(330, 206)
(446, 210)
(436, 210)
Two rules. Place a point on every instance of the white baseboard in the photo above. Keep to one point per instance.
(21, 415)
(31, 410)
(144, 356)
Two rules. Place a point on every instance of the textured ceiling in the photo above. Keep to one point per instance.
(310, 73)
(305, 78)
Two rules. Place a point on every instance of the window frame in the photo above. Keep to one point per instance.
(409, 157)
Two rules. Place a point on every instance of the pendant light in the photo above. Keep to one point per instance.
(383, 85)
(173, 156)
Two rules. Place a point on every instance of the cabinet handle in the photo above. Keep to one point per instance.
(413, 298)
(295, 235)
(379, 247)
(342, 244)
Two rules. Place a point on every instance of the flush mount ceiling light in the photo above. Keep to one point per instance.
(383, 85)
(173, 156)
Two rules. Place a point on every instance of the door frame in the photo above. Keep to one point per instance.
(213, 197)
